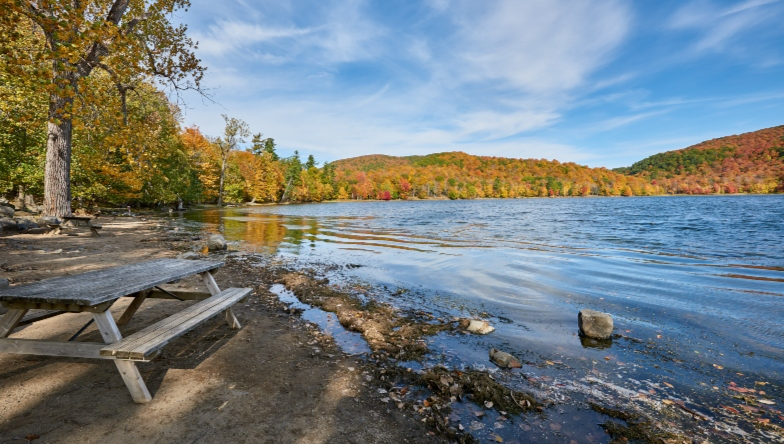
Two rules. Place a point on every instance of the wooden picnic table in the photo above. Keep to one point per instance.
(57, 227)
(95, 292)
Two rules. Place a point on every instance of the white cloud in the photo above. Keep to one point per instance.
(720, 26)
(540, 45)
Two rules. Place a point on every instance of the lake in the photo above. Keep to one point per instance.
(695, 283)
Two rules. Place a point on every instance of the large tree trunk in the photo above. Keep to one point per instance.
(57, 175)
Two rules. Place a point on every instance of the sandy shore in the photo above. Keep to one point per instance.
(278, 380)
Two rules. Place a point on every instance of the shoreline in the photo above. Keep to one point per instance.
(426, 406)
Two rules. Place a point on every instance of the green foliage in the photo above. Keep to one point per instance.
(676, 162)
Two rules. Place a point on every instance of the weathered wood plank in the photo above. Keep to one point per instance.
(186, 295)
(142, 344)
(130, 374)
(133, 307)
(95, 287)
(53, 348)
(10, 321)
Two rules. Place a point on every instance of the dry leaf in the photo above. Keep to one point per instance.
(549, 362)
(766, 401)
(668, 385)
(667, 401)
(718, 367)
(498, 439)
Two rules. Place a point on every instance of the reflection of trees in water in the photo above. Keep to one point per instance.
(266, 233)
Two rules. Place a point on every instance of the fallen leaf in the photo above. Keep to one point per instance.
(766, 401)
(479, 414)
(763, 420)
(549, 362)
(489, 404)
(668, 385)
(607, 358)
(749, 408)
(426, 403)
(730, 409)
(498, 439)
(718, 367)
(667, 402)
(760, 383)
(658, 336)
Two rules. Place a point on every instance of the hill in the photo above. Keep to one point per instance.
(457, 175)
(750, 162)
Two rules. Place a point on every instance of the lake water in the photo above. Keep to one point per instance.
(696, 284)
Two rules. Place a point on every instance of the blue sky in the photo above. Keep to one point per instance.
(597, 82)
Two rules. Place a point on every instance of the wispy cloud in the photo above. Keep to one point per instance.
(720, 25)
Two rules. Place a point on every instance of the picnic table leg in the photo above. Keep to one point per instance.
(212, 286)
(10, 321)
(133, 307)
(128, 371)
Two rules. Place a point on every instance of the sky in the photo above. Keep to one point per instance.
(597, 82)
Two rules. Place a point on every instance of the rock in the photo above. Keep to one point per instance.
(595, 324)
(190, 256)
(43, 220)
(6, 211)
(30, 204)
(216, 242)
(476, 326)
(7, 224)
(4, 283)
(504, 359)
(25, 224)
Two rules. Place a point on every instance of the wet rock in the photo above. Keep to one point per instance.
(216, 242)
(6, 211)
(4, 283)
(190, 256)
(504, 359)
(595, 324)
(476, 326)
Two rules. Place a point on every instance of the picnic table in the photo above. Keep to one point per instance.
(56, 228)
(95, 292)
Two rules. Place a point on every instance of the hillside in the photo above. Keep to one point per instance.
(751, 162)
(458, 175)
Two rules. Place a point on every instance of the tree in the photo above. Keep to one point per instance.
(311, 163)
(129, 41)
(233, 135)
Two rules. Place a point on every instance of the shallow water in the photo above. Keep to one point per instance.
(699, 280)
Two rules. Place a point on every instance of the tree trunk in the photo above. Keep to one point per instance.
(57, 174)
(220, 188)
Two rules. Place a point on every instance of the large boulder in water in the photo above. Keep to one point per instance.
(595, 324)
(216, 242)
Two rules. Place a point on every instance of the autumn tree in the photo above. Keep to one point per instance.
(234, 134)
(128, 40)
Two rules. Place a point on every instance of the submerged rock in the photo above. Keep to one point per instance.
(216, 242)
(595, 324)
(476, 326)
(504, 359)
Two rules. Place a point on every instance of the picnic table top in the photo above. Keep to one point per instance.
(77, 218)
(95, 287)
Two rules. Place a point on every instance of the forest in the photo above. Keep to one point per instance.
(116, 117)
(746, 163)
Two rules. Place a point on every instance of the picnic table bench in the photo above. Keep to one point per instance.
(95, 292)
(56, 228)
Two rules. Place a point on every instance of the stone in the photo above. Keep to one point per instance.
(30, 205)
(595, 324)
(26, 224)
(44, 220)
(8, 225)
(4, 283)
(6, 211)
(504, 359)
(216, 242)
(190, 256)
(476, 326)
